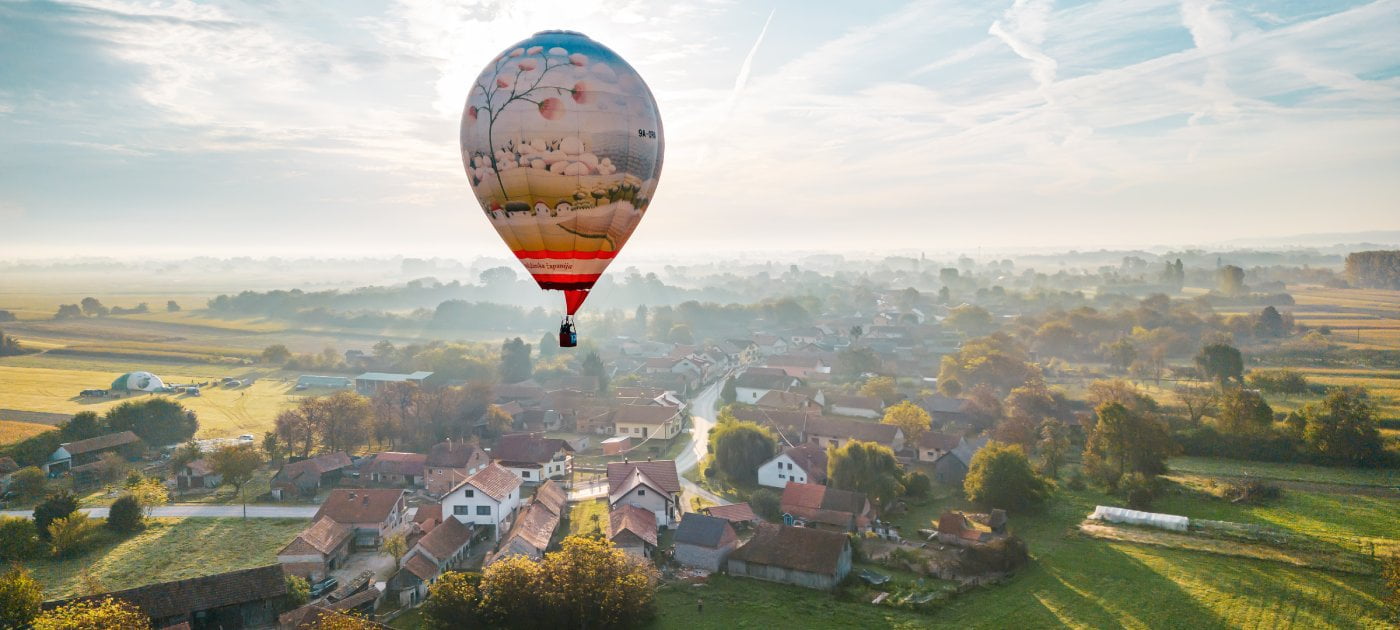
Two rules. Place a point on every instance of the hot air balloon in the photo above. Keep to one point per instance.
(562, 144)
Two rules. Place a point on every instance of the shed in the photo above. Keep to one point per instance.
(793, 555)
(704, 541)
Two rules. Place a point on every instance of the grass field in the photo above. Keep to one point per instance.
(222, 412)
(581, 516)
(1286, 472)
(12, 431)
(1359, 318)
(171, 549)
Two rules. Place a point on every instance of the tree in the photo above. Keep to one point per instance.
(1243, 412)
(970, 320)
(1374, 269)
(57, 505)
(20, 597)
(1000, 476)
(515, 361)
(587, 583)
(917, 485)
(1342, 427)
(868, 468)
(68, 311)
(497, 276)
(728, 393)
(997, 360)
(1390, 573)
(1057, 339)
(171, 306)
(680, 334)
(344, 421)
(342, 620)
(125, 515)
(1221, 362)
(548, 345)
(83, 425)
(1284, 381)
(452, 603)
(157, 421)
(1230, 280)
(236, 464)
(111, 467)
(512, 594)
(9, 346)
(910, 418)
(593, 368)
(766, 503)
(855, 362)
(394, 546)
(881, 387)
(1053, 446)
(93, 308)
(28, 482)
(276, 354)
(1270, 323)
(298, 591)
(498, 422)
(1129, 440)
(1119, 354)
(1198, 400)
(71, 534)
(298, 428)
(19, 540)
(150, 493)
(93, 614)
(739, 448)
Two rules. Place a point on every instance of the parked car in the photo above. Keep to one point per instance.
(327, 585)
(246, 437)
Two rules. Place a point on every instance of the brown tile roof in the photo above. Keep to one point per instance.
(495, 481)
(810, 458)
(796, 548)
(939, 441)
(446, 539)
(318, 465)
(360, 505)
(391, 463)
(824, 504)
(734, 512)
(182, 597)
(421, 566)
(101, 442)
(308, 616)
(827, 426)
(663, 472)
(322, 536)
(200, 467)
(652, 415)
(456, 454)
(638, 392)
(760, 380)
(525, 448)
(552, 496)
(534, 527)
(776, 399)
(428, 512)
(788, 360)
(630, 518)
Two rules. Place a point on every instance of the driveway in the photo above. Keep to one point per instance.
(204, 511)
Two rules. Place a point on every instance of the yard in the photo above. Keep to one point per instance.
(1286, 472)
(171, 549)
(584, 516)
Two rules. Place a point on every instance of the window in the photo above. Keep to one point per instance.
(461, 510)
(782, 476)
(483, 510)
(524, 474)
(469, 492)
(641, 492)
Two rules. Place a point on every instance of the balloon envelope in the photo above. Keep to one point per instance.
(563, 145)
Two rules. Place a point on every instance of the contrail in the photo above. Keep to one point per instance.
(744, 68)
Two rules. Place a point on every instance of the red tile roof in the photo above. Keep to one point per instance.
(182, 597)
(734, 513)
(455, 454)
(495, 481)
(939, 441)
(663, 472)
(630, 518)
(810, 458)
(795, 548)
(524, 448)
(361, 505)
(651, 415)
(322, 536)
(421, 566)
(534, 527)
(446, 539)
(552, 496)
(428, 512)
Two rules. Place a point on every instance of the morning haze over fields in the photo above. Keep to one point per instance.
(1015, 314)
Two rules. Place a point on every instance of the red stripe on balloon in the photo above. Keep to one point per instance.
(566, 278)
(549, 255)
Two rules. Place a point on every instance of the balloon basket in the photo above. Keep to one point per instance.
(568, 335)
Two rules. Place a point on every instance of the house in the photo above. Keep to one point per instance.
(71, 455)
(703, 542)
(804, 463)
(528, 393)
(450, 462)
(944, 410)
(654, 396)
(371, 513)
(441, 549)
(647, 421)
(753, 384)
(769, 345)
(198, 474)
(249, 598)
(650, 485)
(801, 366)
(952, 466)
(399, 469)
(737, 514)
(855, 406)
(369, 383)
(633, 530)
(533, 457)
(804, 336)
(776, 399)
(307, 476)
(317, 550)
(487, 499)
(685, 366)
(741, 351)
(933, 445)
(836, 432)
(827, 508)
(788, 425)
(536, 525)
(793, 555)
(966, 530)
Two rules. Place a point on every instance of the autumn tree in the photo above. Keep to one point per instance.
(728, 393)
(70, 535)
(236, 464)
(1198, 400)
(394, 546)
(19, 540)
(1243, 412)
(20, 597)
(997, 360)
(1342, 427)
(1390, 574)
(515, 363)
(1120, 354)
(276, 354)
(970, 320)
(28, 482)
(910, 418)
(855, 362)
(739, 448)
(592, 367)
(1230, 280)
(344, 421)
(587, 583)
(868, 468)
(1127, 440)
(105, 613)
(453, 602)
(1000, 476)
(1053, 446)
(1221, 362)
(881, 387)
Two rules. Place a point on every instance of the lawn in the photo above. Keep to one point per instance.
(743, 603)
(171, 549)
(12, 431)
(1287, 472)
(581, 516)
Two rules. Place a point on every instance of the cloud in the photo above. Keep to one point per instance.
(1024, 31)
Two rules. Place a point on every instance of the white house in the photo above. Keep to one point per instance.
(653, 486)
(803, 464)
(487, 499)
(754, 383)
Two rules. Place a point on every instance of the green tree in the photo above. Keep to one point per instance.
(272, 447)
(83, 425)
(171, 306)
(728, 393)
(498, 422)
(9, 346)
(1000, 476)
(970, 320)
(917, 485)
(739, 448)
(1119, 354)
(855, 362)
(149, 493)
(157, 421)
(1243, 412)
(1342, 427)
(1221, 362)
(20, 597)
(453, 602)
(57, 505)
(1053, 446)
(515, 365)
(910, 418)
(68, 311)
(19, 540)
(1230, 280)
(236, 464)
(71, 534)
(276, 354)
(766, 503)
(1129, 440)
(298, 591)
(594, 368)
(868, 468)
(183, 455)
(125, 515)
(93, 614)
(548, 345)
(93, 308)
(28, 482)
(1270, 323)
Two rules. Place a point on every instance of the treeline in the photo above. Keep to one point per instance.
(1374, 270)
(157, 421)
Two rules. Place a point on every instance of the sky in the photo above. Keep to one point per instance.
(143, 128)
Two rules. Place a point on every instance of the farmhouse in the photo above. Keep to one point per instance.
(754, 384)
(827, 508)
(793, 555)
(371, 513)
(317, 550)
(450, 462)
(805, 463)
(198, 474)
(71, 455)
(649, 485)
(249, 598)
(306, 477)
(647, 421)
(830, 431)
(633, 530)
(401, 469)
(487, 499)
(533, 457)
(439, 550)
(371, 382)
(702, 542)
(952, 466)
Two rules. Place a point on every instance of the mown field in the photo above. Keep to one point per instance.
(12, 431)
(170, 549)
(1287, 472)
(1359, 318)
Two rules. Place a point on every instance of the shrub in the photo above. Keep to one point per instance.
(1001, 476)
(103, 614)
(125, 515)
(20, 597)
(1075, 481)
(18, 539)
(1139, 490)
(28, 482)
(766, 503)
(56, 506)
(917, 485)
(72, 534)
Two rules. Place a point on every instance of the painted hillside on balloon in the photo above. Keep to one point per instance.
(562, 145)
